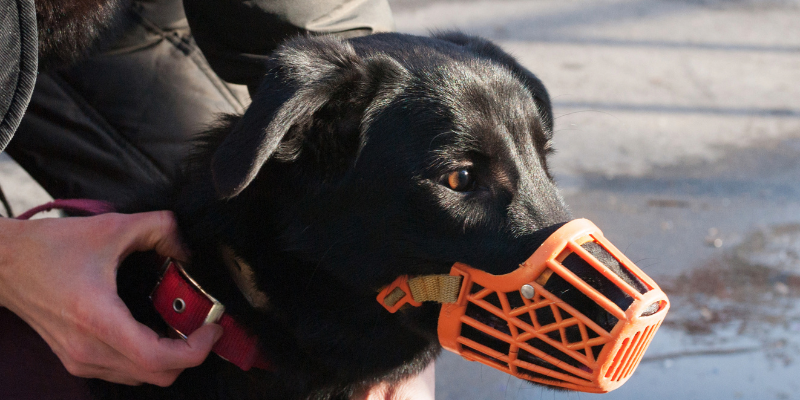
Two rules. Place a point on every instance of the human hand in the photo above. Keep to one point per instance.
(419, 387)
(59, 276)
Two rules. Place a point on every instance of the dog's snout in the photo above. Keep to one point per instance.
(530, 214)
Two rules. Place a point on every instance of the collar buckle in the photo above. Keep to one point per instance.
(183, 293)
(396, 295)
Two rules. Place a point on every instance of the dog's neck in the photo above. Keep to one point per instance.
(244, 277)
(245, 253)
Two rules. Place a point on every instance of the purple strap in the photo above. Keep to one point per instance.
(83, 207)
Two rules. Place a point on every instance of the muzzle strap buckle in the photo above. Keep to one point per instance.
(396, 295)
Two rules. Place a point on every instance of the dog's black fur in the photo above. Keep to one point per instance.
(71, 29)
(334, 183)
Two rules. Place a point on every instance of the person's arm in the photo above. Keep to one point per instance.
(59, 276)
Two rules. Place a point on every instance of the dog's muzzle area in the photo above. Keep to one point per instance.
(577, 314)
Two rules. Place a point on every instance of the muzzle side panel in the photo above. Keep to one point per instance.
(562, 289)
(518, 341)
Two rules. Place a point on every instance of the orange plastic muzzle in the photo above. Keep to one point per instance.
(513, 323)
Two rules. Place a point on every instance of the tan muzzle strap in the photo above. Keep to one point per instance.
(438, 288)
(514, 323)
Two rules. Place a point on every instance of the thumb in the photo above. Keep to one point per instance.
(196, 348)
(205, 337)
(156, 230)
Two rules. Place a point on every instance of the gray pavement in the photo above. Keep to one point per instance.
(677, 131)
(22, 192)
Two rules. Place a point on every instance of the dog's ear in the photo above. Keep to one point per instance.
(488, 50)
(315, 84)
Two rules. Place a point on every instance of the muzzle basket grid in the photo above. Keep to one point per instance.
(526, 336)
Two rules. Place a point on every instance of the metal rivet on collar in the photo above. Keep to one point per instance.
(527, 291)
(179, 305)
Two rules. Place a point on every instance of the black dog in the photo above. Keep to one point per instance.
(357, 162)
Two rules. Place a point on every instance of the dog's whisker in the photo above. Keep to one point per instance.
(316, 267)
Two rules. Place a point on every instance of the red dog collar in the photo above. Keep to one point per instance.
(185, 307)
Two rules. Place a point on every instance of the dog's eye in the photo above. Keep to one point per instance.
(460, 180)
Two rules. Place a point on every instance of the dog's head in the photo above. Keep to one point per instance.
(406, 154)
(360, 161)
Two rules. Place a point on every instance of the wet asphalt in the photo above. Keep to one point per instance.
(678, 134)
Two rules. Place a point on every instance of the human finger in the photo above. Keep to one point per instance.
(154, 354)
(175, 355)
(155, 230)
(100, 361)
